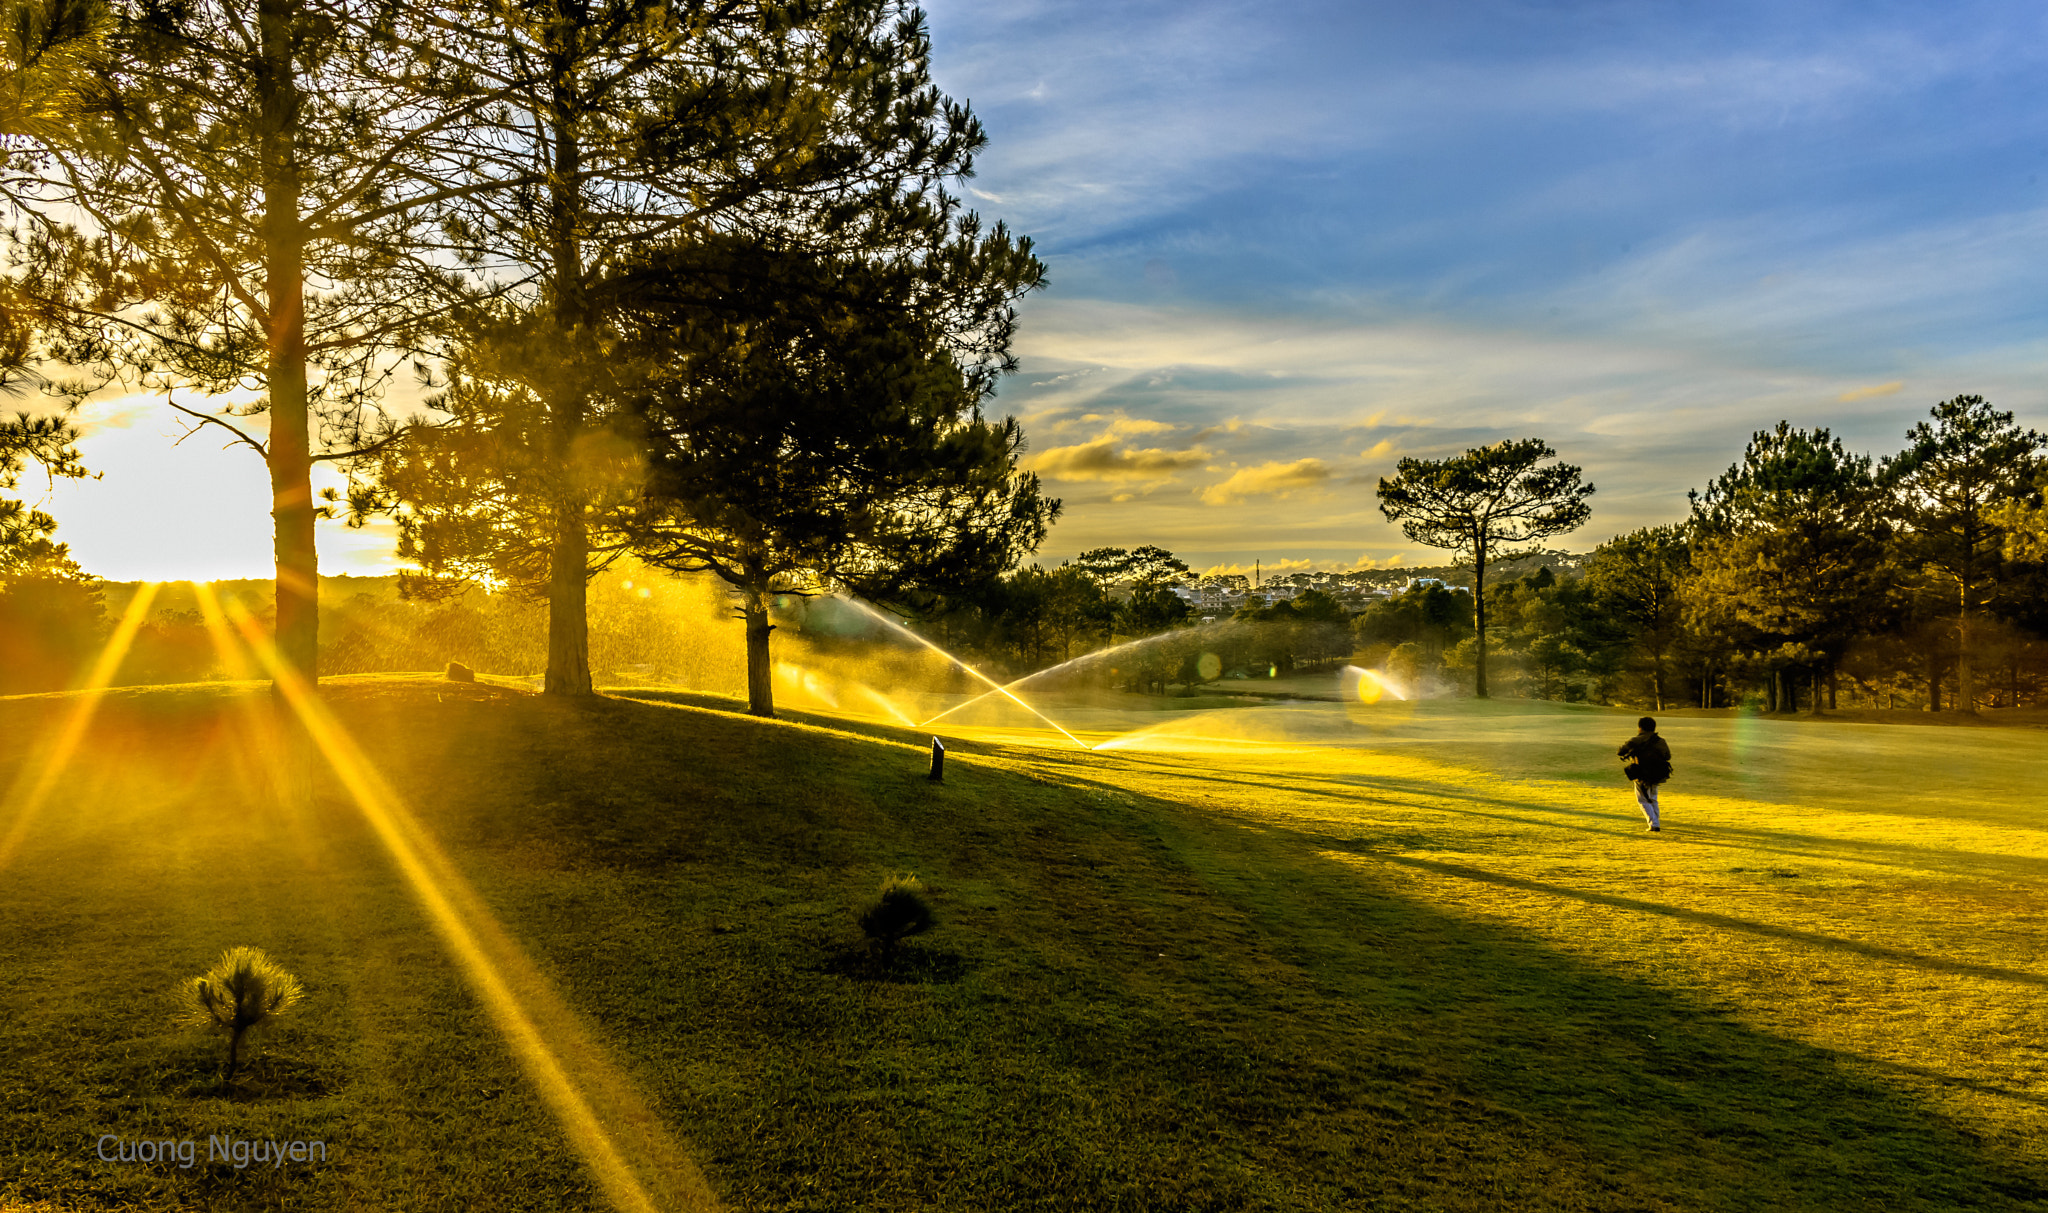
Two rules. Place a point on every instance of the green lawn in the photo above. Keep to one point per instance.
(1292, 956)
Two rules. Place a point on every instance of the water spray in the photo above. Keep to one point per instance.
(1095, 658)
(999, 687)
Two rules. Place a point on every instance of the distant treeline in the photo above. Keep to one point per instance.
(1806, 577)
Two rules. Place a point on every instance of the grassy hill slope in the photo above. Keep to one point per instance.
(1159, 982)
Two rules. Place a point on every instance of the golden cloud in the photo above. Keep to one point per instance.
(1865, 393)
(1276, 479)
(1378, 450)
(1233, 426)
(1270, 567)
(1306, 565)
(1103, 460)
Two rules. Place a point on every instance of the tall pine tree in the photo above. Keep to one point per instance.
(1483, 503)
(1948, 487)
(814, 428)
(234, 210)
(1789, 545)
(646, 125)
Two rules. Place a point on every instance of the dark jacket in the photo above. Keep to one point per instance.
(1649, 756)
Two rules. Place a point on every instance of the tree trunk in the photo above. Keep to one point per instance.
(1966, 672)
(1834, 686)
(1479, 613)
(760, 683)
(568, 670)
(1813, 689)
(568, 620)
(289, 453)
(1774, 692)
(1933, 681)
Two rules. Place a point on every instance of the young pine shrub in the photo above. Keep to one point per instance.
(243, 990)
(898, 912)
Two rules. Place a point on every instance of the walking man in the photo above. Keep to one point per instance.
(1649, 764)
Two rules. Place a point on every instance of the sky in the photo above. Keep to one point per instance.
(1289, 245)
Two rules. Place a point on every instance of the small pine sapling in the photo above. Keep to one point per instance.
(244, 989)
(898, 912)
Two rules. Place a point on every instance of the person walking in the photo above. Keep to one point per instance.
(1649, 765)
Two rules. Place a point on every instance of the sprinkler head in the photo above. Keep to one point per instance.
(938, 774)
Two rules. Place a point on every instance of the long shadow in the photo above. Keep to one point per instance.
(1376, 1051)
(1642, 1093)
(1440, 1061)
(1955, 1080)
(1915, 858)
(1708, 918)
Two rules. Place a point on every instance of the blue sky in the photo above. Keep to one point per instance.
(1290, 244)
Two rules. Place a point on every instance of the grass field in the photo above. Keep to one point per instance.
(1294, 956)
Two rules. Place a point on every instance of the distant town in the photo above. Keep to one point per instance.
(1220, 595)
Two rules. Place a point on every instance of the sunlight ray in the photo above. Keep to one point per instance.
(261, 738)
(607, 1122)
(32, 786)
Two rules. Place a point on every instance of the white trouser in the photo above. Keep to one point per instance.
(1646, 799)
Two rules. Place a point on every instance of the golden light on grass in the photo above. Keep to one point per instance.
(265, 741)
(610, 1126)
(32, 787)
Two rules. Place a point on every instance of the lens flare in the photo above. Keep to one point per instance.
(261, 724)
(607, 1122)
(32, 786)
(1369, 686)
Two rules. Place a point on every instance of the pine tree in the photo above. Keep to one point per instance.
(817, 431)
(647, 125)
(1948, 486)
(1789, 544)
(1479, 501)
(233, 206)
(1638, 580)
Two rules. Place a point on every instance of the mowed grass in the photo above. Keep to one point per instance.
(1429, 962)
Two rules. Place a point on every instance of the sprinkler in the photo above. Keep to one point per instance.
(938, 774)
(999, 688)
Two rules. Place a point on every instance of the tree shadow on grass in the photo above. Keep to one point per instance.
(1183, 1011)
(1531, 813)
(1657, 1100)
(1726, 922)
